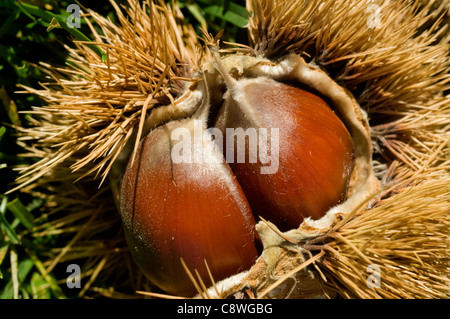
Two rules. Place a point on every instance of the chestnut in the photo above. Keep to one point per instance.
(316, 151)
(195, 211)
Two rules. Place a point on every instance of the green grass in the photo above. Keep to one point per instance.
(33, 32)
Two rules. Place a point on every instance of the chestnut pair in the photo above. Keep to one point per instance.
(206, 211)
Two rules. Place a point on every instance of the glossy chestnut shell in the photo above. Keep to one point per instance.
(193, 211)
(316, 151)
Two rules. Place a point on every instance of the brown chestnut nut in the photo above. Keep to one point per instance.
(173, 209)
(315, 150)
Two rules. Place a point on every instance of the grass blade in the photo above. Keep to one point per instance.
(2, 132)
(21, 212)
(23, 268)
(7, 228)
(233, 13)
(3, 252)
(49, 17)
(196, 11)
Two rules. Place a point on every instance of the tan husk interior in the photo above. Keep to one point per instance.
(397, 77)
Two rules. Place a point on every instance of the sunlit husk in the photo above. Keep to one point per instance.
(101, 106)
(397, 72)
